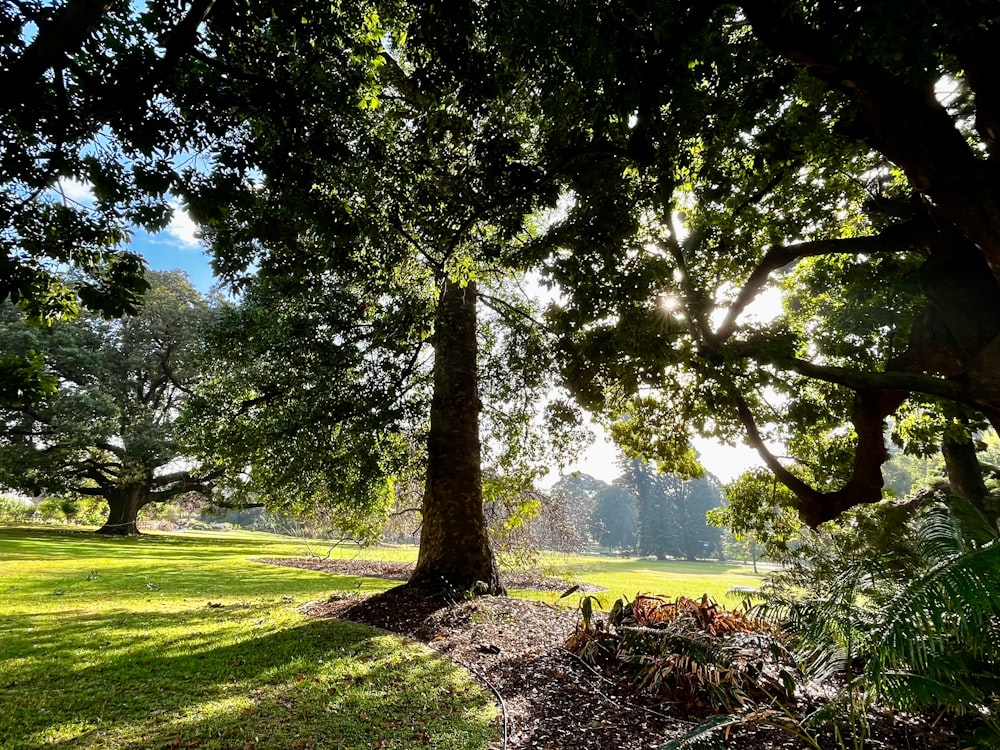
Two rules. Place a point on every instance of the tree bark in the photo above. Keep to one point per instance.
(454, 543)
(965, 474)
(123, 509)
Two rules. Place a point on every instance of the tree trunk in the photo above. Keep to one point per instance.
(454, 544)
(123, 509)
(965, 474)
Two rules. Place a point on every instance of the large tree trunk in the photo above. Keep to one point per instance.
(454, 544)
(965, 474)
(123, 509)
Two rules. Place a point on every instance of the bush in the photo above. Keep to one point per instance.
(91, 511)
(13, 510)
(51, 509)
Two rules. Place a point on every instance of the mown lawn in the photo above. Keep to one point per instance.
(630, 576)
(178, 641)
(620, 576)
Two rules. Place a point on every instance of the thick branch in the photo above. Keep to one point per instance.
(880, 381)
(183, 37)
(980, 57)
(906, 237)
(792, 482)
(868, 416)
(55, 41)
(908, 125)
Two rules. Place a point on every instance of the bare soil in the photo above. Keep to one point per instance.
(549, 698)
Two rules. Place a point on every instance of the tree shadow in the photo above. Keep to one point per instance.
(324, 682)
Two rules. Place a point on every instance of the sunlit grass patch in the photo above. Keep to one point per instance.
(180, 642)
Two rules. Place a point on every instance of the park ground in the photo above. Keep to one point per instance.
(198, 640)
(183, 641)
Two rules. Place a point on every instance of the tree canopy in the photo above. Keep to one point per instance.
(89, 151)
(110, 428)
(845, 155)
(678, 159)
(376, 213)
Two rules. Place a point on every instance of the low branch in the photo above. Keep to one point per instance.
(185, 482)
(868, 415)
(216, 503)
(879, 381)
(792, 482)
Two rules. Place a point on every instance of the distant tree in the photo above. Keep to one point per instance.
(302, 405)
(671, 511)
(695, 498)
(658, 531)
(110, 428)
(613, 521)
(575, 497)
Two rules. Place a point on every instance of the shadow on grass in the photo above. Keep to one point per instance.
(319, 684)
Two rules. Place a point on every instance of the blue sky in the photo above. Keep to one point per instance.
(176, 247)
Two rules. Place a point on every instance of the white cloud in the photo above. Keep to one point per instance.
(73, 190)
(183, 228)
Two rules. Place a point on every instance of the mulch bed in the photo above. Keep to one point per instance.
(550, 699)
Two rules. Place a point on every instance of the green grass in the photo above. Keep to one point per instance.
(620, 576)
(628, 576)
(177, 641)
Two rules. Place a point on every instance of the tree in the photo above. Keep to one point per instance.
(110, 429)
(847, 154)
(360, 167)
(613, 522)
(760, 512)
(575, 497)
(671, 511)
(658, 532)
(87, 102)
(694, 499)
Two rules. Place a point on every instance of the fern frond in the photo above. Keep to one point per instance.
(708, 735)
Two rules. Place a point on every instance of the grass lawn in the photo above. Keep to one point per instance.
(177, 641)
(628, 577)
(620, 576)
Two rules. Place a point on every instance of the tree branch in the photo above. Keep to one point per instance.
(185, 478)
(54, 42)
(868, 415)
(879, 381)
(906, 237)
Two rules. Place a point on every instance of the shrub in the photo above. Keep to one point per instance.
(13, 510)
(51, 509)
